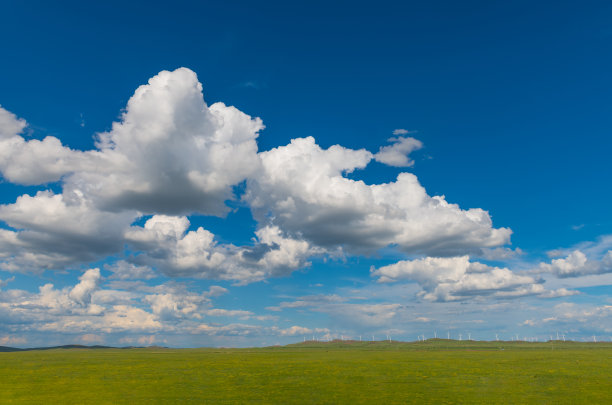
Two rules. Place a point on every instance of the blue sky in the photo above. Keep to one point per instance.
(250, 174)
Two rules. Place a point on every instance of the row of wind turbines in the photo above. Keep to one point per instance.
(422, 338)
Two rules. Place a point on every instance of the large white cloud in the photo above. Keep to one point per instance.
(171, 154)
(457, 278)
(302, 189)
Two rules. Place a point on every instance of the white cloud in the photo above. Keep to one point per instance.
(401, 131)
(234, 329)
(229, 312)
(456, 278)
(91, 338)
(397, 153)
(168, 306)
(57, 230)
(581, 317)
(12, 340)
(302, 189)
(89, 282)
(172, 154)
(576, 264)
(38, 162)
(176, 252)
(10, 125)
(123, 270)
(300, 330)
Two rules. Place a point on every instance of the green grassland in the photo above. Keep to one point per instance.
(436, 371)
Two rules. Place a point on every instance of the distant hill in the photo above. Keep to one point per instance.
(83, 347)
(9, 349)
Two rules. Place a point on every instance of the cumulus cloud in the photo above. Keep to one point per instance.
(171, 154)
(576, 264)
(176, 252)
(597, 317)
(33, 161)
(457, 278)
(90, 307)
(397, 153)
(89, 282)
(54, 231)
(301, 188)
(10, 125)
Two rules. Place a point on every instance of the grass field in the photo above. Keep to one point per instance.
(435, 371)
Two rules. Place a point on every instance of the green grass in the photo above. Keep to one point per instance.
(436, 371)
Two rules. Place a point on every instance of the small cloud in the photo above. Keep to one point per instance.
(5, 282)
(91, 338)
(11, 340)
(529, 322)
(501, 253)
(577, 227)
(397, 153)
(402, 131)
(146, 340)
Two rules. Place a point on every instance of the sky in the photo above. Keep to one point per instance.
(257, 173)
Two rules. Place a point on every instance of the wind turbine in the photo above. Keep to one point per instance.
(448, 334)
(460, 335)
(496, 338)
(469, 336)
